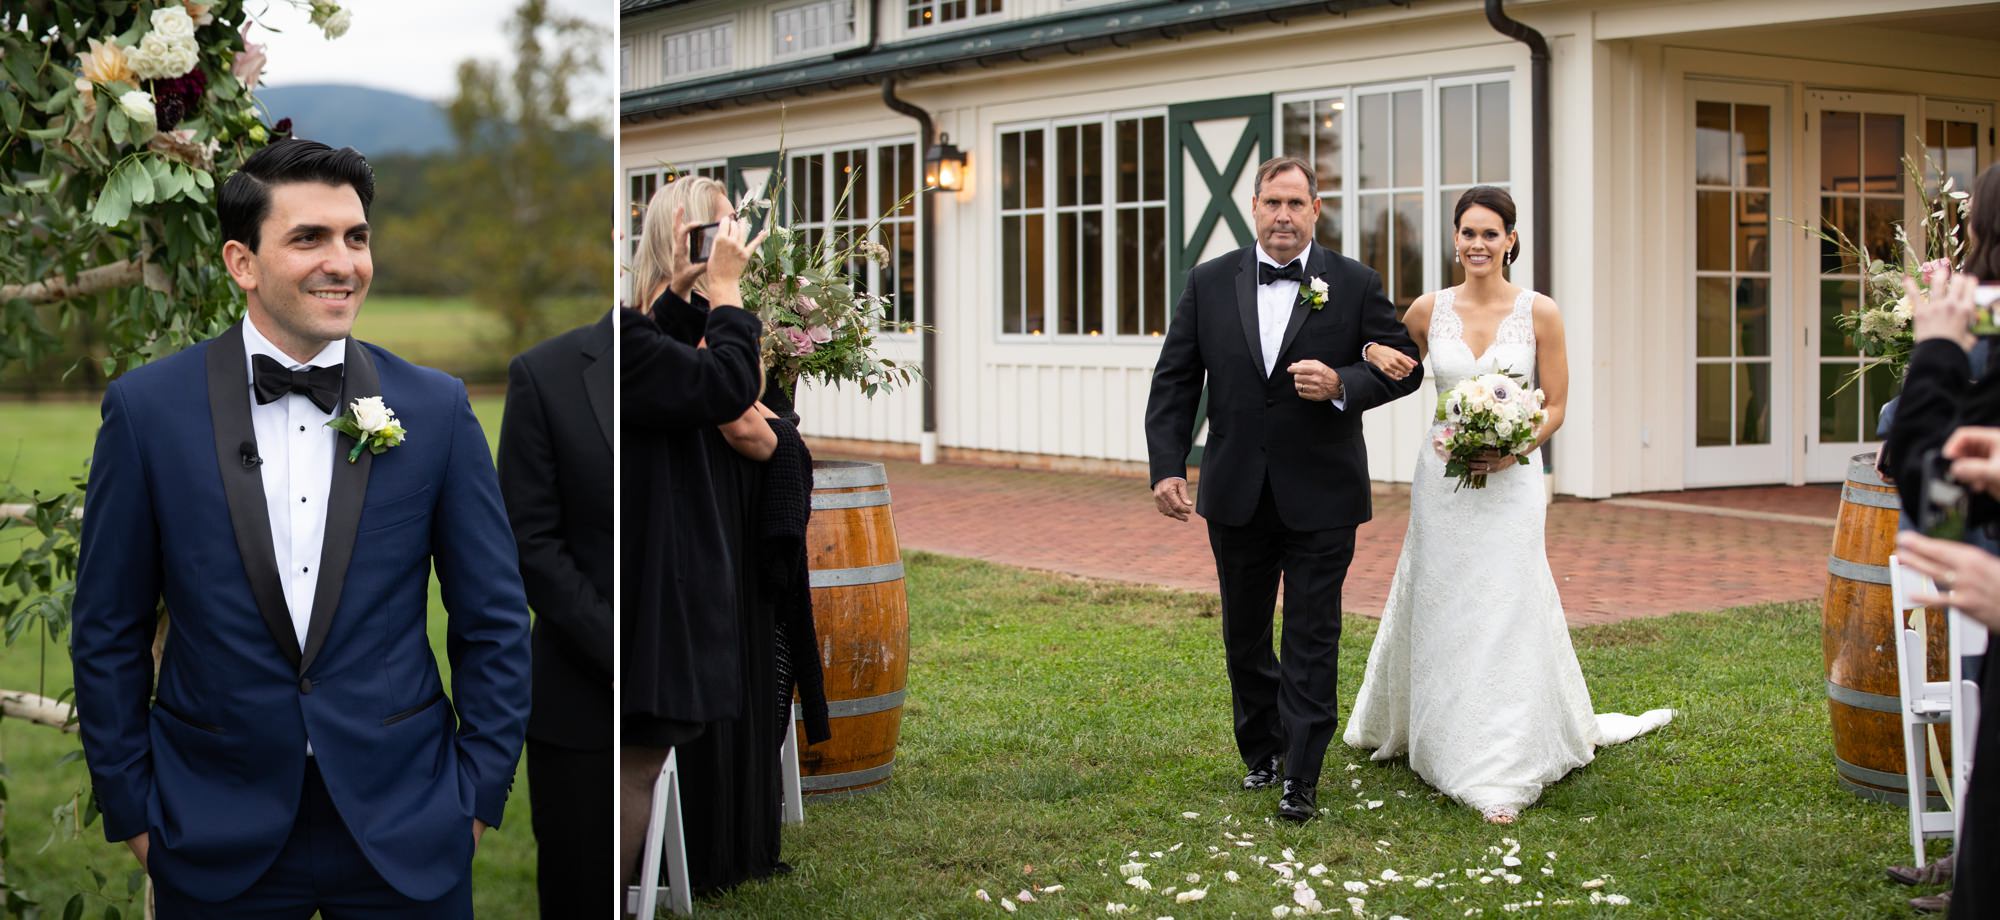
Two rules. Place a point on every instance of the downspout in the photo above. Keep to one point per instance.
(1538, 89)
(926, 236)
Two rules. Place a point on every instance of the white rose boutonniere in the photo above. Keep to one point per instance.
(372, 425)
(1314, 293)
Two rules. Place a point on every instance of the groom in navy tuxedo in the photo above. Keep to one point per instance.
(298, 753)
(1276, 332)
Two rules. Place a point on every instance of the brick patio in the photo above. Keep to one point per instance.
(1614, 560)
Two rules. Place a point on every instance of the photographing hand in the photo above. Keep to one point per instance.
(685, 273)
(1968, 578)
(1170, 495)
(1946, 311)
(731, 254)
(1314, 381)
(1389, 361)
(1974, 453)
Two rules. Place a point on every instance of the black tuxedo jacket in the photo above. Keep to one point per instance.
(555, 474)
(1258, 425)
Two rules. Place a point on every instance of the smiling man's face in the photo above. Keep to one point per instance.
(310, 272)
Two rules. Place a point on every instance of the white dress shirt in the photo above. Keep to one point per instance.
(297, 449)
(1274, 311)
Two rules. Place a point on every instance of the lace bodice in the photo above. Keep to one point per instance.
(1512, 351)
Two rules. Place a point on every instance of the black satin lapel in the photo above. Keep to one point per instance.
(243, 485)
(1300, 309)
(343, 505)
(1246, 308)
(597, 375)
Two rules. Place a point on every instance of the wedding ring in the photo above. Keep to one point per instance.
(1949, 579)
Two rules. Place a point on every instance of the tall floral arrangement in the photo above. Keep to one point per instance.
(1880, 324)
(817, 324)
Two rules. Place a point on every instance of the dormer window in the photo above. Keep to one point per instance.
(936, 12)
(812, 27)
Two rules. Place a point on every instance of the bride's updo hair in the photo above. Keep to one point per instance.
(1492, 198)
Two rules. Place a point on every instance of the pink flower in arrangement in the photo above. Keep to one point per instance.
(819, 334)
(1441, 442)
(248, 67)
(802, 344)
(1925, 270)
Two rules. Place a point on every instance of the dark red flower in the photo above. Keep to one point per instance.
(177, 98)
(282, 129)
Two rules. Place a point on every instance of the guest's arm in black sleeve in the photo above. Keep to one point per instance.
(670, 384)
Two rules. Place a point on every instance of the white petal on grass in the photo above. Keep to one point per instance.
(1510, 861)
(983, 896)
(1374, 804)
(1156, 854)
(1132, 868)
(1281, 911)
(1114, 907)
(1174, 849)
(1139, 882)
(1317, 870)
(1355, 887)
(1390, 875)
(1245, 843)
(1190, 815)
(1548, 870)
(1025, 896)
(1193, 877)
(1594, 883)
(1512, 879)
(1192, 894)
(1007, 905)
(1231, 876)
(1357, 906)
(1617, 900)
(1051, 889)
(1423, 883)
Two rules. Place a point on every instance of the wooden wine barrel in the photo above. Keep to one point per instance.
(862, 615)
(1858, 637)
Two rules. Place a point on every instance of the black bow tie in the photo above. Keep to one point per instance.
(274, 380)
(1271, 274)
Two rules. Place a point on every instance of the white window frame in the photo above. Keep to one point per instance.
(830, 195)
(1108, 206)
(728, 46)
(631, 212)
(625, 65)
(778, 53)
(936, 26)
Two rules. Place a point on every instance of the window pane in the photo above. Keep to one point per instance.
(1093, 164)
(1711, 231)
(1455, 135)
(907, 179)
(1155, 173)
(1327, 145)
(1494, 131)
(1409, 152)
(1037, 320)
(1878, 227)
(1839, 406)
(906, 272)
(1090, 293)
(1753, 232)
(1012, 281)
(1011, 179)
(1711, 317)
(1882, 151)
(1711, 143)
(1327, 231)
(850, 193)
(1375, 234)
(1410, 250)
(1753, 403)
(1067, 174)
(1753, 145)
(1295, 130)
(1128, 272)
(1712, 403)
(1127, 143)
(1069, 304)
(1835, 298)
(1031, 163)
(1843, 215)
(1373, 140)
(1878, 386)
(1840, 152)
(1753, 317)
(1153, 279)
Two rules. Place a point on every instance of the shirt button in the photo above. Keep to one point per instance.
(305, 685)
(302, 499)
(302, 427)
(306, 569)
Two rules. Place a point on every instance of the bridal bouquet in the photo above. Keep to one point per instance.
(1490, 412)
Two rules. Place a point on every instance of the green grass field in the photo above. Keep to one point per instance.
(41, 446)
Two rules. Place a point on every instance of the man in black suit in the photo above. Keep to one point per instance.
(1277, 331)
(555, 476)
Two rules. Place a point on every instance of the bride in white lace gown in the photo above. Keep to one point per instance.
(1472, 674)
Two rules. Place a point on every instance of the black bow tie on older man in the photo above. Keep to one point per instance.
(1293, 271)
(274, 380)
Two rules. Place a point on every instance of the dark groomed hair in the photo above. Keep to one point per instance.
(1982, 250)
(1494, 199)
(245, 199)
(1276, 165)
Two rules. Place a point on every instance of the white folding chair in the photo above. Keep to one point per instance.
(1925, 703)
(663, 832)
(1968, 637)
(794, 805)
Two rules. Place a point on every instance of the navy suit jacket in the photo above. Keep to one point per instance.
(212, 763)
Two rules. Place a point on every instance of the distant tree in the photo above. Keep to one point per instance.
(521, 203)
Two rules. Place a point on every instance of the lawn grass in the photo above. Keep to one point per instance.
(1056, 726)
(41, 445)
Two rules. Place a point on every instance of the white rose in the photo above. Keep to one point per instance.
(160, 58)
(371, 416)
(172, 22)
(336, 24)
(138, 106)
(1319, 286)
(1505, 429)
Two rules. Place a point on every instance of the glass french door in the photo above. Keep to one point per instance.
(1738, 392)
(1855, 145)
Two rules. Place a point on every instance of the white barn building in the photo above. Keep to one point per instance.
(1110, 146)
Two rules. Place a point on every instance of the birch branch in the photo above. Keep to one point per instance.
(89, 281)
(34, 707)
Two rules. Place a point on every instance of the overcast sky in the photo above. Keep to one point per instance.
(413, 46)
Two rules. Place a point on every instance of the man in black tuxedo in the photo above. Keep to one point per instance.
(1277, 331)
(555, 475)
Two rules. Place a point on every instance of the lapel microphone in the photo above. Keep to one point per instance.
(247, 452)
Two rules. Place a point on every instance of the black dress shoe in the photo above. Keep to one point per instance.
(1300, 801)
(1263, 775)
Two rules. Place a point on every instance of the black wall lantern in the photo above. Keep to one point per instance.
(944, 165)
